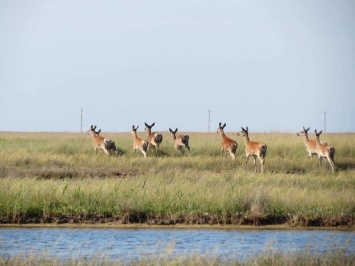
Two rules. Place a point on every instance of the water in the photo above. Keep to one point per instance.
(131, 244)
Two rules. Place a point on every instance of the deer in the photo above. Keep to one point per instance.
(181, 141)
(155, 138)
(228, 144)
(109, 144)
(138, 143)
(253, 148)
(98, 141)
(324, 151)
(311, 145)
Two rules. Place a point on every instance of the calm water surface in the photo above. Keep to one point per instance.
(131, 244)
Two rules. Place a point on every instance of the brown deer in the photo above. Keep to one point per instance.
(98, 141)
(311, 145)
(228, 144)
(138, 143)
(324, 151)
(181, 141)
(155, 138)
(253, 148)
(109, 144)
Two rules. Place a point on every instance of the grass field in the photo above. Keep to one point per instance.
(269, 257)
(57, 177)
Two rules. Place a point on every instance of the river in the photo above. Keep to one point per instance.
(130, 244)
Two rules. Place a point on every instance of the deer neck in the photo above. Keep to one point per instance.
(134, 135)
(305, 138)
(92, 134)
(246, 138)
(221, 133)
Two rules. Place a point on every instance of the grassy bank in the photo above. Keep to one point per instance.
(56, 177)
(267, 257)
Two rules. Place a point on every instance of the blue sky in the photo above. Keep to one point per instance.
(269, 65)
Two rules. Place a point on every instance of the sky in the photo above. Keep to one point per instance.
(273, 66)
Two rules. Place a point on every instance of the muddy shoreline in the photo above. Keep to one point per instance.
(202, 221)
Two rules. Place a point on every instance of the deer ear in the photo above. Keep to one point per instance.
(170, 129)
(307, 129)
(247, 129)
(320, 132)
(176, 130)
(220, 124)
(137, 127)
(242, 128)
(224, 125)
(153, 124)
(91, 127)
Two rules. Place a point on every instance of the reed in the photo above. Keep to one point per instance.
(269, 256)
(56, 177)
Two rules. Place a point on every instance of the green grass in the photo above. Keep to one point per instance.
(56, 177)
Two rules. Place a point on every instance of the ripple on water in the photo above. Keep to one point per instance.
(130, 244)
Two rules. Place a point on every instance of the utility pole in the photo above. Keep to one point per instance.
(325, 121)
(81, 121)
(209, 120)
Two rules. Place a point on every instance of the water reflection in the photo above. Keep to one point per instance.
(131, 244)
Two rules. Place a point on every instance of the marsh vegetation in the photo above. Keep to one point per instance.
(58, 178)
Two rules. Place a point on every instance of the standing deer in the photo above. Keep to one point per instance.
(109, 144)
(98, 141)
(181, 141)
(138, 143)
(324, 151)
(155, 138)
(228, 144)
(311, 145)
(253, 148)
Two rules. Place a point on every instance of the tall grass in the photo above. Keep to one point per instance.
(56, 177)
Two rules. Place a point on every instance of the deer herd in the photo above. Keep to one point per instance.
(181, 142)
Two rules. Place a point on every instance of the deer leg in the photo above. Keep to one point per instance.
(331, 162)
(319, 161)
(144, 153)
(246, 161)
(256, 170)
(105, 150)
(262, 161)
(232, 154)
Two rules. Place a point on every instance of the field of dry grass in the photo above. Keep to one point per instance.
(57, 177)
